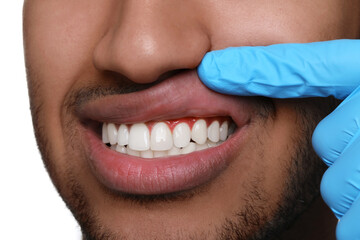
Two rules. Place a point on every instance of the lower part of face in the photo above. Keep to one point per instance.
(273, 178)
(71, 58)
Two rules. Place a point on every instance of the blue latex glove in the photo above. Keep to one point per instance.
(306, 70)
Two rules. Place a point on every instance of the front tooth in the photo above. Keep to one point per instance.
(210, 144)
(121, 149)
(112, 133)
(200, 147)
(174, 151)
(189, 148)
(181, 135)
(105, 137)
(123, 135)
(160, 154)
(139, 137)
(147, 154)
(224, 131)
(133, 152)
(199, 132)
(214, 131)
(218, 143)
(161, 138)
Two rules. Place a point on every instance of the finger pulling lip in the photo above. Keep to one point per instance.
(180, 96)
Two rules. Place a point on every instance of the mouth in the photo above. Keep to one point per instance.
(172, 137)
(167, 138)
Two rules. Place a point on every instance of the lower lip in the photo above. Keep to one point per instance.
(134, 175)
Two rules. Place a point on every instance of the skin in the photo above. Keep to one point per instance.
(72, 46)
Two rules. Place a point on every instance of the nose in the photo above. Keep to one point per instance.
(149, 38)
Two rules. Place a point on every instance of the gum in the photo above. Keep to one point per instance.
(188, 120)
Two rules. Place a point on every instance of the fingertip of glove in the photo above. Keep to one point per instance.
(328, 190)
(320, 143)
(328, 140)
(208, 71)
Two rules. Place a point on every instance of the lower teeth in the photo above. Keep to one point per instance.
(192, 147)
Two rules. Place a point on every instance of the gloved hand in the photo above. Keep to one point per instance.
(306, 70)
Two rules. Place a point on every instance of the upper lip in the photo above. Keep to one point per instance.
(180, 96)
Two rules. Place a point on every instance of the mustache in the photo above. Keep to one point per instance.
(120, 85)
(78, 97)
(92, 93)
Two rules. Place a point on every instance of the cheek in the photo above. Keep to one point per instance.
(260, 172)
(280, 143)
(58, 42)
(272, 148)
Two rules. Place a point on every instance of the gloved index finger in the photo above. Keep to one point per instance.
(290, 70)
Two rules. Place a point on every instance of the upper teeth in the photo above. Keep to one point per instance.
(136, 140)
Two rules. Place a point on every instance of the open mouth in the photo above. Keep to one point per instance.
(167, 138)
(172, 137)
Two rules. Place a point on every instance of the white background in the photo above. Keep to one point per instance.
(30, 207)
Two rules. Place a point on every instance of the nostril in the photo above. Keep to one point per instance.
(169, 74)
(137, 57)
(144, 53)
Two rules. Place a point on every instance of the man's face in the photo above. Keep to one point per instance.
(128, 62)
